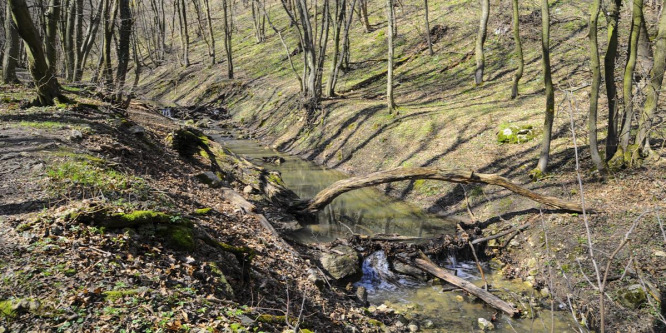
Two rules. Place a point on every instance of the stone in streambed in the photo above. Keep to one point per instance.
(342, 262)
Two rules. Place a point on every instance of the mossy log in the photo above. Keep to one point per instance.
(327, 195)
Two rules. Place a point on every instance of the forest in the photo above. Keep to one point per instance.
(332, 166)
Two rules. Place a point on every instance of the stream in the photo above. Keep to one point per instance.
(368, 211)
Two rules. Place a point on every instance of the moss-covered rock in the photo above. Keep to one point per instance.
(633, 296)
(188, 142)
(202, 211)
(222, 278)
(180, 237)
(515, 133)
(114, 295)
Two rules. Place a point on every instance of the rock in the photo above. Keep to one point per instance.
(633, 296)
(137, 130)
(248, 189)
(485, 325)
(277, 160)
(341, 263)
(408, 270)
(413, 327)
(313, 277)
(661, 254)
(515, 133)
(362, 295)
(383, 308)
(428, 324)
(209, 178)
(56, 231)
(75, 135)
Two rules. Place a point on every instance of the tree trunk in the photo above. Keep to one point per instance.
(594, 89)
(124, 40)
(11, 49)
(480, 40)
(110, 12)
(363, 6)
(184, 31)
(550, 93)
(42, 73)
(613, 17)
(78, 40)
(227, 38)
(628, 80)
(68, 39)
(340, 9)
(345, 49)
(519, 49)
(389, 75)
(52, 16)
(653, 89)
(326, 196)
(427, 27)
(210, 32)
(89, 41)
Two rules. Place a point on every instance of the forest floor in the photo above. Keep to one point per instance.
(443, 120)
(62, 272)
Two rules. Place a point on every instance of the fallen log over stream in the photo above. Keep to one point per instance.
(428, 266)
(326, 196)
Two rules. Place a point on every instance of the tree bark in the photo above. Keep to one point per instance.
(110, 12)
(594, 88)
(124, 40)
(363, 15)
(52, 16)
(227, 38)
(78, 39)
(89, 41)
(68, 38)
(345, 49)
(613, 17)
(480, 41)
(550, 93)
(519, 49)
(427, 27)
(11, 49)
(389, 75)
(340, 9)
(653, 89)
(210, 32)
(42, 73)
(628, 80)
(327, 195)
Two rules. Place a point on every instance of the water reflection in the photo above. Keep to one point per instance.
(364, 211)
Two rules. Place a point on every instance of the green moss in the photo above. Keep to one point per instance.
(375, 322)
(515, 133)
(202, 211)
(136, 218)
(223, 278)
(114, 295)
(7, 309)
(180, 237)
(275, 178)
(187, 143)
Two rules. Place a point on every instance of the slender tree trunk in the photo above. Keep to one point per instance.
(68, 40)
(78, 40)
(110, 12)
(87, 45)
(340, 9)
(594, 89)
(52, 16)
(345, 49)
(550, 93)
(42, 73)
(628, 115)
(184, 32)
(519, 49)
(11, 49)
(389, 75)
(480, 40)
(210, 31)
(613, 17)
(227, 38)
(427, 27)
(124, 40)
(653, 89)
(363, 5)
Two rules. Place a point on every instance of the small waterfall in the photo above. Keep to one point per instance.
(167, 112)
(378, 276)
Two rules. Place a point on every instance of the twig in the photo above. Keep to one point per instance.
(503, 233)
(478, 265)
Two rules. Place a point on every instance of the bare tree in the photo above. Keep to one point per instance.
(427, 27)
(228, 30)
(480, 41)
(390, 102)
(550, 93)
(48, 88)
(519, 49)
(124, 40)
(612, 18)
(594, 88)
(11, 49)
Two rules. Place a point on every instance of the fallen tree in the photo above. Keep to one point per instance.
(326, 196)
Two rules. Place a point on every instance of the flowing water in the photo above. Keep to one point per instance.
(368, 211)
